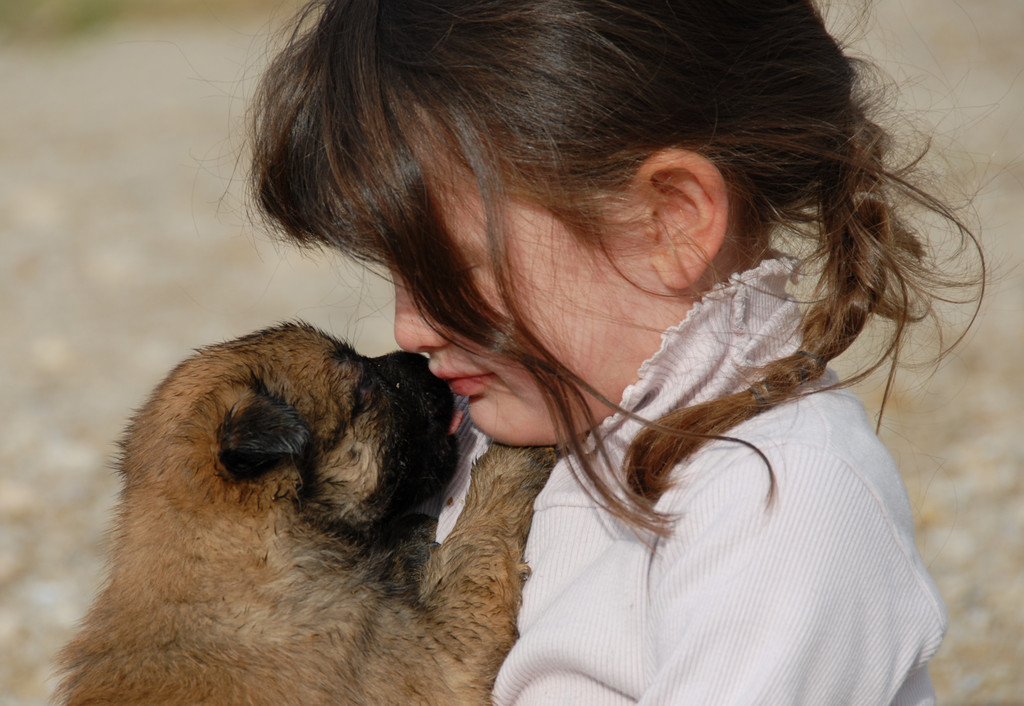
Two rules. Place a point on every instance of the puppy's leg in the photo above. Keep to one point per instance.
(473, 581)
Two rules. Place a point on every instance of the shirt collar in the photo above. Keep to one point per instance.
(735, 328)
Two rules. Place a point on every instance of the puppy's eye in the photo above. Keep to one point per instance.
(365, 390)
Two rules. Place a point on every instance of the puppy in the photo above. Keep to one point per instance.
(263, 551)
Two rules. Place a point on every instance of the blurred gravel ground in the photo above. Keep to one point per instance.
(125, 245)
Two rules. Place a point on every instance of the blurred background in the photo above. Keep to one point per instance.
(124, 244)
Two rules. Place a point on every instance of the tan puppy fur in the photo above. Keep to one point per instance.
(263, 552)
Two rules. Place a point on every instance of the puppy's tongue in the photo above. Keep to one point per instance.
(456, 422)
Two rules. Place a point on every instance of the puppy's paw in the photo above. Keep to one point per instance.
(536, 464)
(524, 572)
(515, 466)
(506, 479)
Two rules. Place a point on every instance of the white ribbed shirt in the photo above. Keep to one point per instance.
(818, 597)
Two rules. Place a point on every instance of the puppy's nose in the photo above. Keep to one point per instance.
(408, 376)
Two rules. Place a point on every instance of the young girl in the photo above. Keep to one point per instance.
(584, 206)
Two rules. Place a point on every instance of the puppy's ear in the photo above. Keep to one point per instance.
(258, 433)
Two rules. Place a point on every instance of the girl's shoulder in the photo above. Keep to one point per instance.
(815, 460)
(829, 427)
(805, 543)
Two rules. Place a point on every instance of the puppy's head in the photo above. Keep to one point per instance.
(290, 416)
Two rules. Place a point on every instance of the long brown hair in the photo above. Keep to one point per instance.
(557, 102)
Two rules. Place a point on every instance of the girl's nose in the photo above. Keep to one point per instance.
(413, 333)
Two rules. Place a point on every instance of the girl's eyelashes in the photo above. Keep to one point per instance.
(469, 270)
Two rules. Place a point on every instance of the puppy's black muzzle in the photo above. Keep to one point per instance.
(420, 407)
(406, 380)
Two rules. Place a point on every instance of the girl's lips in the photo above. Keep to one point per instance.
(470, 385)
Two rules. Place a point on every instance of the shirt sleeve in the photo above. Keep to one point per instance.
(812, 597)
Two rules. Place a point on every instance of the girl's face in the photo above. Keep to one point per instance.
(601, 316)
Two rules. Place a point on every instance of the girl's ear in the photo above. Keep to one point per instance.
(688, 199)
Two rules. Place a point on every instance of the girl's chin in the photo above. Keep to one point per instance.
(526, 427)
